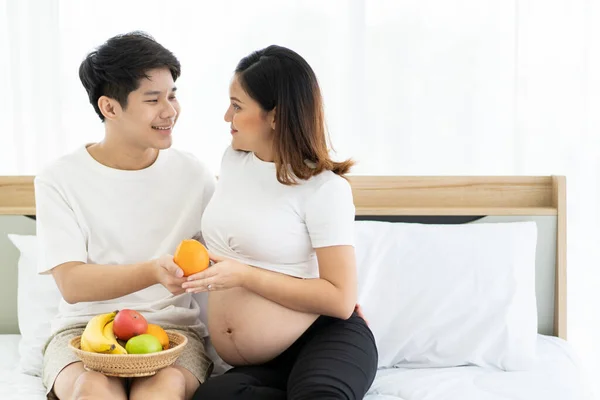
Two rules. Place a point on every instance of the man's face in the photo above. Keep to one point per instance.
(151, 113)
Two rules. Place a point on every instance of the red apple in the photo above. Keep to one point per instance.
(129, 323)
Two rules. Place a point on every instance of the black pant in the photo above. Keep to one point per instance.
(333, 359)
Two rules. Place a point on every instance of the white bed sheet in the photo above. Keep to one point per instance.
(557, 376)
(13, 384)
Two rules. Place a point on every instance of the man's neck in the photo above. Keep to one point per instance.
(121, 156)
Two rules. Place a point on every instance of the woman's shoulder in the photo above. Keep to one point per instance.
(331, 199)
(329, 179)
(328, 185)
(232, 155)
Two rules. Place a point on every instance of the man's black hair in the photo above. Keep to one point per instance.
(116, 67)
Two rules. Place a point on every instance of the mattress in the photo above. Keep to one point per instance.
(13, 384)
(556, 376)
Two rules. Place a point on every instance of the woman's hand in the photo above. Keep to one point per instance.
(223, 274)
(360, 313)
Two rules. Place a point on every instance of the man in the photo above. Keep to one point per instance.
(110, 214)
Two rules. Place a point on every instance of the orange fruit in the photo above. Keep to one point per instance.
(191, 256)
(160, 334)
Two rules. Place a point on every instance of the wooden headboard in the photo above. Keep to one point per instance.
(526, 196)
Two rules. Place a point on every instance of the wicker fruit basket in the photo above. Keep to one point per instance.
(130, 365)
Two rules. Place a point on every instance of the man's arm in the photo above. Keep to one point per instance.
(79, 282)
(63, 252)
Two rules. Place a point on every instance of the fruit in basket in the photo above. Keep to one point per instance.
(191, 256)
(85, 345)
(143, 344)
(159, 333)
(110, 335)
(93, 338)
(129, 323)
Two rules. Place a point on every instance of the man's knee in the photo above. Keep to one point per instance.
(92, 385)
(168, 383)
(171, 377)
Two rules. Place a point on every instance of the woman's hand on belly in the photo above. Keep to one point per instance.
(246, 328)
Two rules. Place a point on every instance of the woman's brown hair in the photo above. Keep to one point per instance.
(279, 78)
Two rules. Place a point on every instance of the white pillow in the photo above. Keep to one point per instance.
(37, 303)
(449, 295)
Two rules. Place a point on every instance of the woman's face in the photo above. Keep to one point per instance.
(251, 126)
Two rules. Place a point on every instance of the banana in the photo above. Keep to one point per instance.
(85, 346)
(93, 334)
(110, 335)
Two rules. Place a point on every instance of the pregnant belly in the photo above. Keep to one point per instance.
(246, 328)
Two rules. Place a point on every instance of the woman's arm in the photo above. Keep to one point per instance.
(333, 294)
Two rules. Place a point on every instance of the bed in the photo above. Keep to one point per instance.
(520, 220)
(13, 383)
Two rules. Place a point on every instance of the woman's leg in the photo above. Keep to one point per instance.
(260, 382)
(337, 361)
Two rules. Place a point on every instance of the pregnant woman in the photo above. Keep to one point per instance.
(279, 228)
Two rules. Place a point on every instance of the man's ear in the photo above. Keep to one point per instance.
(110, 108)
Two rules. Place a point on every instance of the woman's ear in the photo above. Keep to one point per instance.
(272, 115)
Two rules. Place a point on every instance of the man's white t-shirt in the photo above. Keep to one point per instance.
(255, 219)
(94, 214)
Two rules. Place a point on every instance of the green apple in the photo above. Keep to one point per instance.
(143, 344)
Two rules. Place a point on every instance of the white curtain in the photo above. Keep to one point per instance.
(412, 87)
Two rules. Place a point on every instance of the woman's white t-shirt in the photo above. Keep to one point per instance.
(255, 219)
